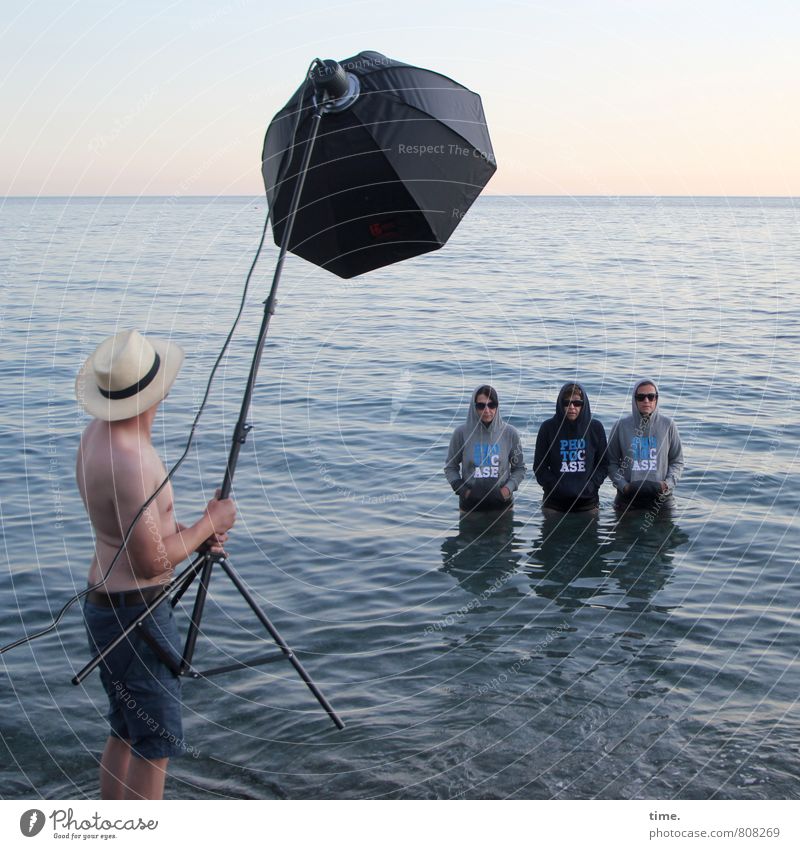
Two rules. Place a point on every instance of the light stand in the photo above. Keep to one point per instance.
(335, 91)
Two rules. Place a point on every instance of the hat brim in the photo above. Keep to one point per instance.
(90, 398)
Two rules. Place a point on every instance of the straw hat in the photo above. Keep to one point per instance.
(127, 375)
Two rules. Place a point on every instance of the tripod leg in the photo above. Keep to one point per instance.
(195, 567)
(181, 582)
(197, 613)
(290, 656)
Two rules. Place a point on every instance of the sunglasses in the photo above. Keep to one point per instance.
(480, 405)
(646, 396)
(571, 402)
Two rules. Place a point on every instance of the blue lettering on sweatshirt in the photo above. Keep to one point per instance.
(573, 455)
(487, 460)
(645, 453)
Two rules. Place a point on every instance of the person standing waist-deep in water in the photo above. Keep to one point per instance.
(570, 461)
(121, 385)
(484, 461)
(645, 454)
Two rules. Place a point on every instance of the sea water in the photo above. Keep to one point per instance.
(642, 657)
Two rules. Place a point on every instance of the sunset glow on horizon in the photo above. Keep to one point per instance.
(608, 98)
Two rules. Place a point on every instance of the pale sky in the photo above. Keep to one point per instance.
(173, 98)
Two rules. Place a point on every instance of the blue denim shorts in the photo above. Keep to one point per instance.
(144, 694)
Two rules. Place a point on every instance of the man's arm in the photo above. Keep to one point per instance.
(517, 465)
(215, 543)
(150, 552)
(600, 472)
(675, 459)
(616, 460)
(545, 476)
(451, 469)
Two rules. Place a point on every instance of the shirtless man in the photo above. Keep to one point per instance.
(118, 469)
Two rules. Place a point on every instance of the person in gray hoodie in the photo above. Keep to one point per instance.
(645, 458)
(484, 461)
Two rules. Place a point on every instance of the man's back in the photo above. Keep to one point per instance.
(117, 470)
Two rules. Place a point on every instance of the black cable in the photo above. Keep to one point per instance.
(78, 596)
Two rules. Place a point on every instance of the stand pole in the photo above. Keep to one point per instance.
(204, 564)
(242, 428)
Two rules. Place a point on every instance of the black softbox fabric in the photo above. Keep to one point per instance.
(391, 177)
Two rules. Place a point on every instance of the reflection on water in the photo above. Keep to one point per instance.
(508, 655)
(579, 559)
(485, 550)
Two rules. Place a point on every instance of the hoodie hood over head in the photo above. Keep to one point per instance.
(634, 409)
(484, 458)
(473, 420)
(570, 460)
(584, 415)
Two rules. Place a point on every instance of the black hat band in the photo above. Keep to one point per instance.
(119, 394)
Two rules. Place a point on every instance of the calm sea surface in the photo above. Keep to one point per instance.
(612, 658)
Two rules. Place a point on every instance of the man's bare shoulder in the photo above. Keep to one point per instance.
(114, 455)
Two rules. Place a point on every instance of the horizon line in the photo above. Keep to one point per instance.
(263, 197)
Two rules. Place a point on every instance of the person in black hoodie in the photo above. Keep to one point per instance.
(570, 461)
